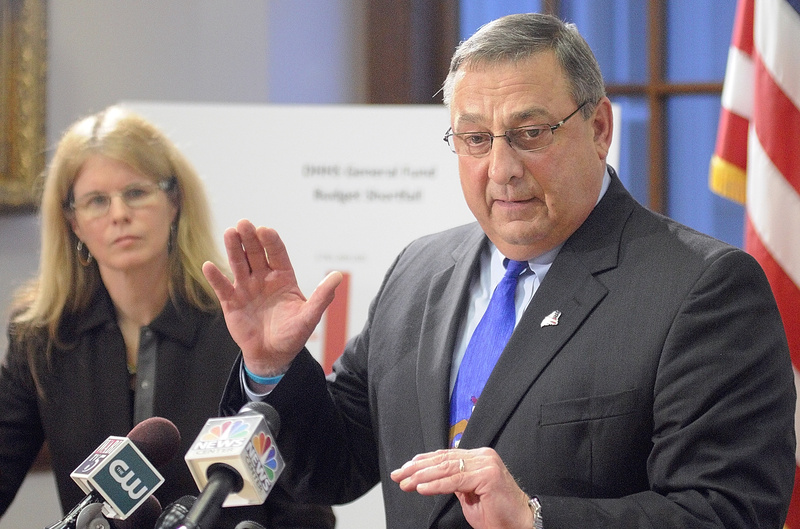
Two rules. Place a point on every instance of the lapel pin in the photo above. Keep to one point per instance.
(551, 319)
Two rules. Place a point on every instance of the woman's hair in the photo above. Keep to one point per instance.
(516, 37)
(63, 285)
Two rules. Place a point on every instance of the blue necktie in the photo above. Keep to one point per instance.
(484, 348)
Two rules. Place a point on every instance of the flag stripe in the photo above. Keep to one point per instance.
(730, 151)
(743, 26)
(777, 41)
(773, 202)
(774, 209)
(777, 119)
(732, 139)
(787, 293)
(737, 90)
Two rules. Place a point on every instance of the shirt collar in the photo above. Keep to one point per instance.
(178, 320)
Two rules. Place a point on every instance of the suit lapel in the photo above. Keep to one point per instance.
(571, 288)
(443, 310)
(521, 362)
(574, 293)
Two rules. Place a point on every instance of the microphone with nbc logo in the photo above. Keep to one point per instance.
(234, 460)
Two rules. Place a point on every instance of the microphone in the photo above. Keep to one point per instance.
(234, 461)
(143, 517)
(90, 517)
(247, 524)
(119, 473)
(175, 513)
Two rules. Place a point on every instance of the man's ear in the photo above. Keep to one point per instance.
(603, 125)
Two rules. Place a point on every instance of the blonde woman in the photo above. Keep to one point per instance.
(119, 324)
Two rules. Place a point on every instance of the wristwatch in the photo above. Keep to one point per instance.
(536, 509)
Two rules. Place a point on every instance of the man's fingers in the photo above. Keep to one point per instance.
(276, 252)
(438, 472)
(253, 248)
(237, 259)
(221, 284)
(442, 478)
(326, 290)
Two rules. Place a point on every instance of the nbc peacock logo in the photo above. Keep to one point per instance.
(223, 437)
(228, 430)
(267, 453)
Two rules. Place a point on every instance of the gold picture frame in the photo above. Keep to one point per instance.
(23, 67)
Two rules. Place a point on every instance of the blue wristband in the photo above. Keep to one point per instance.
(265, 381)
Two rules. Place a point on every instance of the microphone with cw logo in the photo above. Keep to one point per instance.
(119, 473)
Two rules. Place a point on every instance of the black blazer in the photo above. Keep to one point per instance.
(87, 398)
(663, 398)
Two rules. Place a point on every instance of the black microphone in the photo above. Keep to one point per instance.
(119, 473)
(70, 520)
(142, 518)
(235, 462)
(175, 513)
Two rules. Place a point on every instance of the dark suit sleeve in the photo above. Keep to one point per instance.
(330, 454)
(723, 438)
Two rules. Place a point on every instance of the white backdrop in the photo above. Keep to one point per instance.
(346, 186)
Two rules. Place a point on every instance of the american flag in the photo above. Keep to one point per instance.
(757, 156)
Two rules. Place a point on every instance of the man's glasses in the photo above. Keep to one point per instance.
(523, 139)
(139, 195)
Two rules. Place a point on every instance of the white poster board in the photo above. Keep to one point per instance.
(346, 186)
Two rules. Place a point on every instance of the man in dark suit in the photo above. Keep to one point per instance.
(647, 382)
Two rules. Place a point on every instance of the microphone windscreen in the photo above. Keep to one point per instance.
(247, 524)
(143, 517)
(157, 438)
(175, 513)
(270, 414)
(89, 517)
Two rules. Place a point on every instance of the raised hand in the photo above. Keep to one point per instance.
(266, 313)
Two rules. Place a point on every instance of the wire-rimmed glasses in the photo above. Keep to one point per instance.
(523, 139)
(138, 195)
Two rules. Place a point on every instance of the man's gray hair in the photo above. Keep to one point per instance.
(516, 37)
